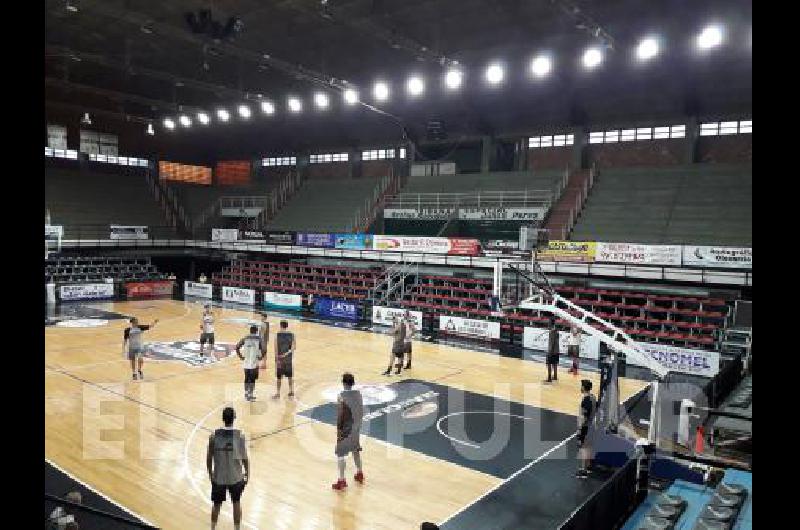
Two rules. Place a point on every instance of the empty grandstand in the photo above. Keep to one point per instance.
(703, 204)
(86, 203)
(336, 205)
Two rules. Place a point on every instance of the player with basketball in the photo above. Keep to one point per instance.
(284, 353)
(348, 430)
(132, 344)
(207, 329)
(398, 346)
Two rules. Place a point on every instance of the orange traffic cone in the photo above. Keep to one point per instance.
(699, 440)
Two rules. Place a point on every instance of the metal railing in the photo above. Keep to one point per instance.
(92, 232)
(392, 281)
(367, 212)
(168, 202)
(562, 232)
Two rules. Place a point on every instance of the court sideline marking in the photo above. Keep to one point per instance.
(529, 465)
(98, 492)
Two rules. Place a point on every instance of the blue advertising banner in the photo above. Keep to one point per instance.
(315, 240)
(329, 307)
(354, 241)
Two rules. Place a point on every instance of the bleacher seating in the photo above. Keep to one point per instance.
(704, 204)
(77, 198)
(350, 283)
(324, 205)
(648, 317)
(96, 269)
(687, 506)
(196, 198)
(473, 182)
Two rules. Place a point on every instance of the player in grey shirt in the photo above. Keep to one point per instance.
(228, 467)
(133, 344)
(348, 430)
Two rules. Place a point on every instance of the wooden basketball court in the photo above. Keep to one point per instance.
(143, 443)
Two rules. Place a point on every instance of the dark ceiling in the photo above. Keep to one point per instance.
(129, 62)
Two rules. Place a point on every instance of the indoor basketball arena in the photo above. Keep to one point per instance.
(507, 244)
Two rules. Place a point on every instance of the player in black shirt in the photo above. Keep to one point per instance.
(586, 414)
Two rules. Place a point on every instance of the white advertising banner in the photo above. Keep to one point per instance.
(467, 214)
(721, 257)
(87, 291)
(502, 214)
(482, 329)
(636, 254)
(427, 214)
(128, 232)
(53, 232)
(684, 360)
(282, 300)
(238, 295)
(240, 212)
(224, 234)
(430, 245)
(202, 290)
(385, 315)
(536, 339)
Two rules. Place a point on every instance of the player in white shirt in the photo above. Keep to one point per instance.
(574, 348)
(251, 350)
(207, 329)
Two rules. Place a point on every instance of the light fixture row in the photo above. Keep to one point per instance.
(495, 73)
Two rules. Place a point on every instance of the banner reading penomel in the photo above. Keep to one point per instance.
(148, 289)
(428, 245)
(577, 251)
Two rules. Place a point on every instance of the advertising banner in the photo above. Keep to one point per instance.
(636, 254)
(329, 307)
(282, 300)
(240, 212)
(385, 315)
(224, 234)
(429, 245)
(481, 329)
(684, 360)
(53, 232)
(315, 240)
(575, 251)
(719, 257)
(238, 295)
(280, 238)
(502, 214)
(202, 290)
(87, 291)
(128, 232)
(536, 339)
(423, 214)
(354, 241)
(252, 236)
(148, 289)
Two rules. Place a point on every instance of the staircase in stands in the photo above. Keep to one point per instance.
(386, 187)
(564, 214)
